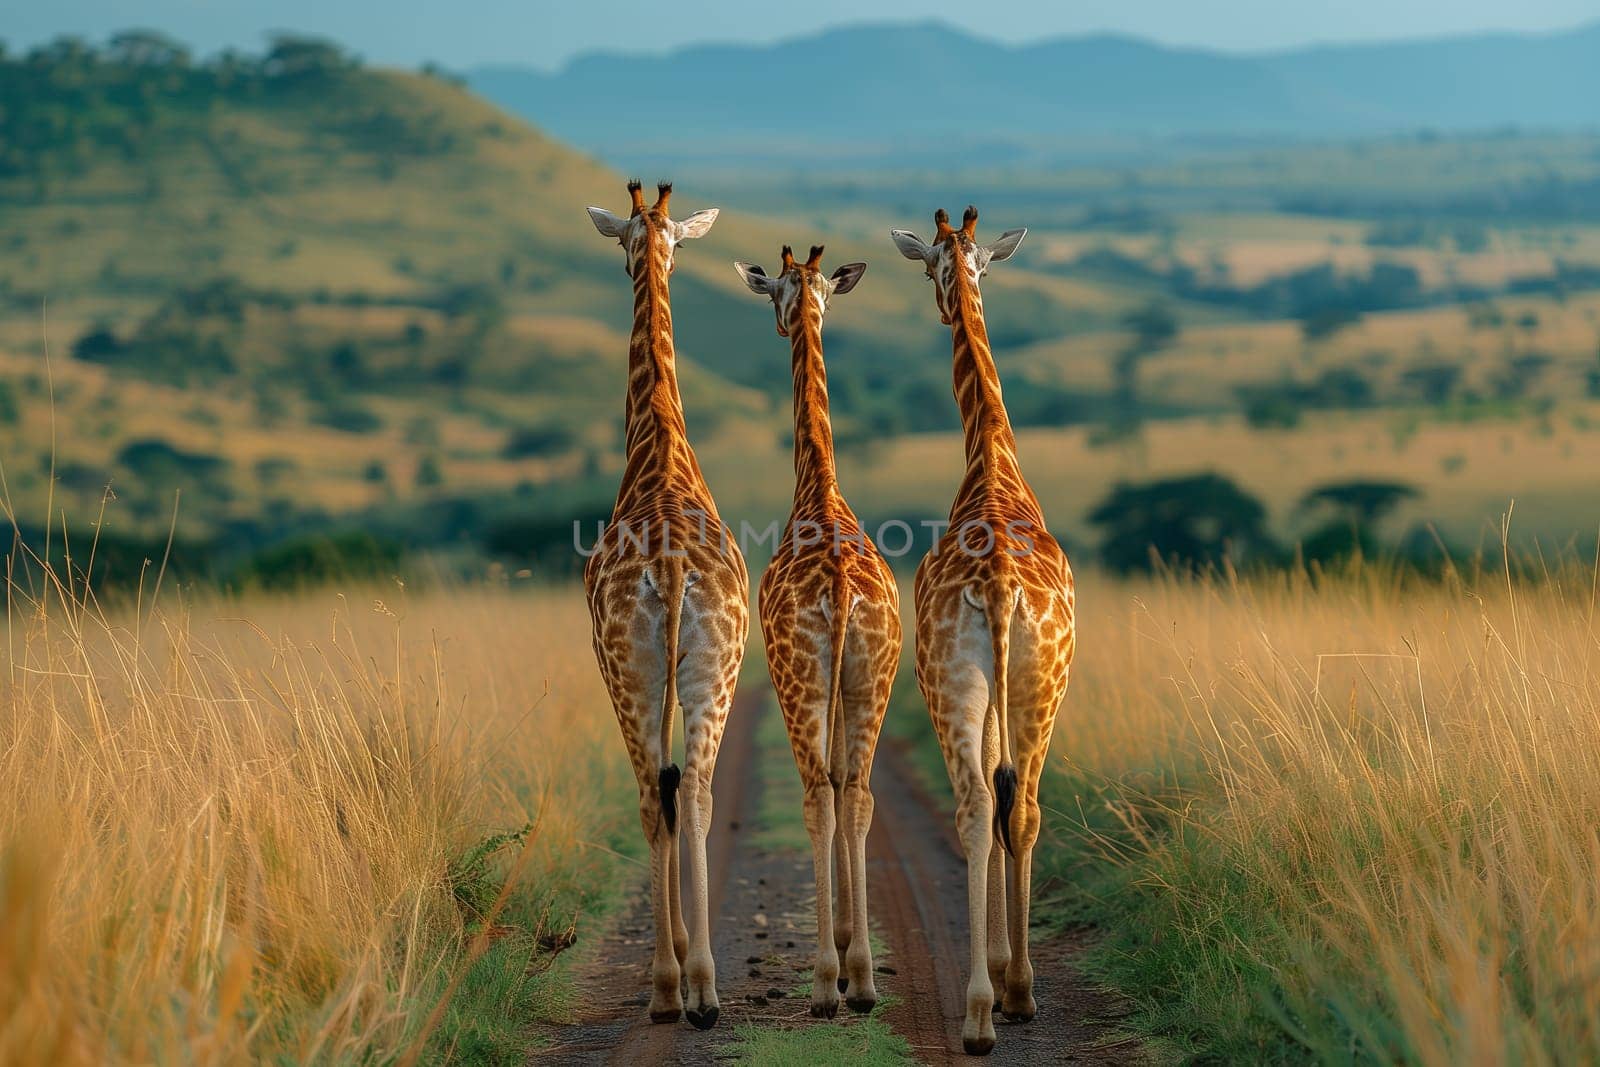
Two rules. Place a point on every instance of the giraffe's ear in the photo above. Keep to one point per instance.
(608, 224)
(844, 279)
(910, 245)
(698, 224)
(1003, 246)
(754, 277)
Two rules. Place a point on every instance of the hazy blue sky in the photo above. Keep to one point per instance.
(543, 33)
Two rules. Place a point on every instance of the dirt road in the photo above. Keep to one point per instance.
(764, 935)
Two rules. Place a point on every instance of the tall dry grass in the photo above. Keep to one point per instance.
(256, 829)
(1357, 818)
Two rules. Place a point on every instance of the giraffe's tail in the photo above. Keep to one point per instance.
(997, 598)
(670, 577)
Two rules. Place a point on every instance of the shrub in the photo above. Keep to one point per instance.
(98, 345)
(347, 416)
(320, 558)
(528, 441)
(1270, 407)
(428, 473)
(155, 460)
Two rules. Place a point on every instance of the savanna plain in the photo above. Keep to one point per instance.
(1324, 817)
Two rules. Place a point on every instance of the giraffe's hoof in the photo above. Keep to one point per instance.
(665, 1016)
(703, 1020)
(861, 1005)
(824, 1009)
(844, 983)
(1022, 1011)
(977, 1046)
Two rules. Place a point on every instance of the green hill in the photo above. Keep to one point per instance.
(347, 287)
(308, 295)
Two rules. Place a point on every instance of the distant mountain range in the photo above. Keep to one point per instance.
(878, 88)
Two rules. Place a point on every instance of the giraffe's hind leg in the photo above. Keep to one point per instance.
(707, 699)
(958, 703)
(860, 991)
(975, 827)
(799, 665)
(635, 683)
(821, 816)
(680, 932)
(666, 999)
(1033, 739)
(843, 876)
(873, 656)
(999, 943)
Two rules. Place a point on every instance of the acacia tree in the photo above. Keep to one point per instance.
(1196, 520)
(1353, 511)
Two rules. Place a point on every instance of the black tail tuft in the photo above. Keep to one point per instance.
(670, 777)
(1005, 798)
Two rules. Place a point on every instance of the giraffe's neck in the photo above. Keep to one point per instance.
(992, 468)
(816, 480)
(655, 438)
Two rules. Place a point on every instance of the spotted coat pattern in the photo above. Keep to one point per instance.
(830, 615)
(994, 639)
(669, 604)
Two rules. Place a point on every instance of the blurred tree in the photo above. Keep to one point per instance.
(1357, 507)
(1433, 382)
(549, 439)
(1195, 520)
(1360, 502)
(1270, 407)
(295, 57)
(318, 558)
(428, 473)
(1154, 327)
(146, 48)
(1322, 323)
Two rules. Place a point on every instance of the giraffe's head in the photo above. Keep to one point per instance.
(649, 231)
(800, 286)
(954, 258)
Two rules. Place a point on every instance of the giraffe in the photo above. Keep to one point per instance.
(669, 603)
(994, 639)
(830, 615)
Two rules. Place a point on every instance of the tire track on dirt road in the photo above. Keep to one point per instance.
(763, 936)
(613, 1024)
(917, 887)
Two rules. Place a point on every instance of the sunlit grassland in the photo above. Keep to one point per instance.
(1206, 363)
(1253, 247)
(1462, 468)
(1345, 819)
(278, 829)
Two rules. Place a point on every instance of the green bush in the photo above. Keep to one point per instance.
(317, 558)
(526, 441)
(347, 416)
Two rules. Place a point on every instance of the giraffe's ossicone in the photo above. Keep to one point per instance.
(995, 636)
(830, 614)
(669, 604)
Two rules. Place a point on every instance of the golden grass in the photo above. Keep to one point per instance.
(1354, 818)
(1354, 814)
(233, 830)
